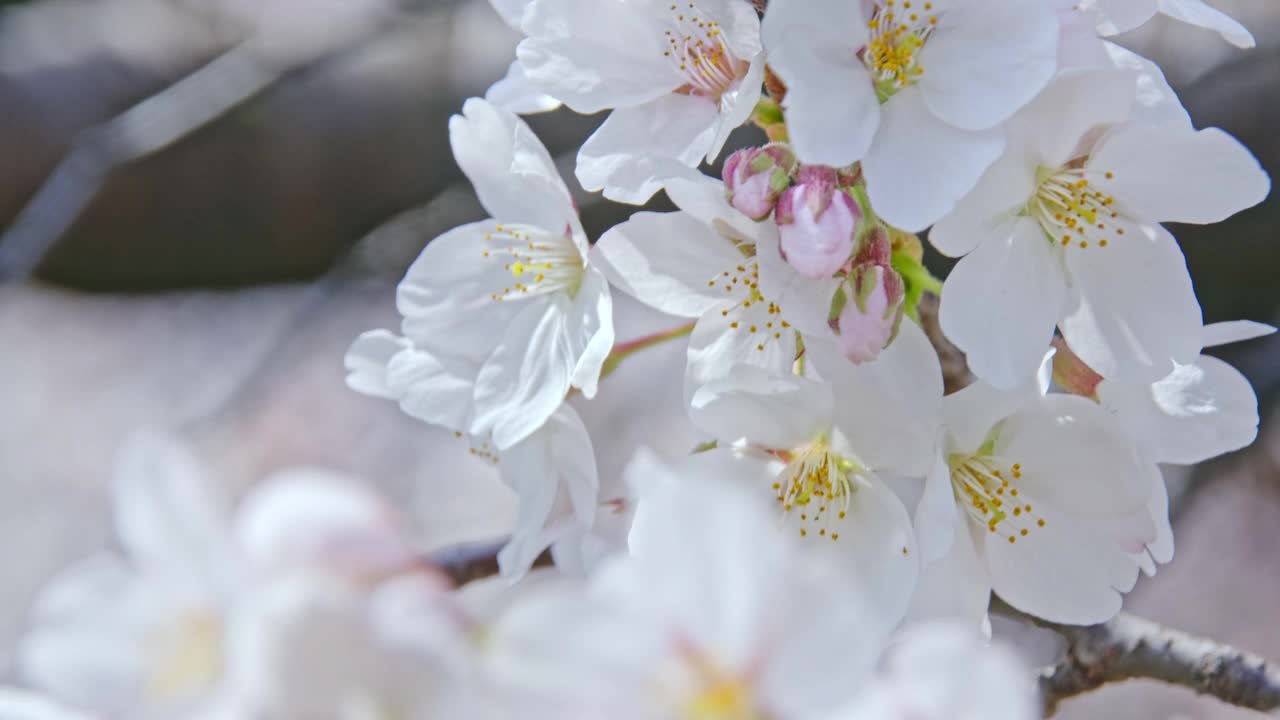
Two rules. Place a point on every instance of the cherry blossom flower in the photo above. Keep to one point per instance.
(503, 316)
(515, 92)
(819, 449)
(711, 615)
(917, 94)
(712, 263)
(552, 471)
(1060, 230)
(1041, 498)
(1197, 412)
(147, 635)
(679, 77)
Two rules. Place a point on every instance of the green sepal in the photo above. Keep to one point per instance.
(917, 280)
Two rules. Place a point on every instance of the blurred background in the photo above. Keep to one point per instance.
(232, 189)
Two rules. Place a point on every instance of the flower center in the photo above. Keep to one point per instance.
(696, 47)
(899, 31)
(753, 314)
(723, 699)
(816, 484)
(986, 486)
(1071, 210)
(538, 262)
(186, 657)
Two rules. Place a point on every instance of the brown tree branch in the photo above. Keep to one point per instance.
(469, 562)
(1129, 647)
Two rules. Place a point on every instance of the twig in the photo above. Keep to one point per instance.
(475, 561)
(955, 369)
(203, 96)
(229, 80)
(1129, 647)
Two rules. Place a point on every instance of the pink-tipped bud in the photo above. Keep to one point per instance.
(873, 302)
(755, 177)
(817, 222)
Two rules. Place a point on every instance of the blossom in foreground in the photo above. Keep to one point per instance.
(712, 615)
(151, 634)
(1041, 498)
(944, 671)
(503, 316)
(515, 92)
(917, 94)
(314, 645)
(819, 450)
(711, 263)
(19, 704)
(1063, 230)
(678, 76)
(1117, 16)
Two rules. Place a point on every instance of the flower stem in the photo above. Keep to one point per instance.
(624, 350)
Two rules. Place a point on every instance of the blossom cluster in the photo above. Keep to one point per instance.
(831, 546)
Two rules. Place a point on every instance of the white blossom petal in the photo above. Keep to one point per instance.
(1200, 14)
(435, 388)
(1075, 105)
(731, 335)
(955, 586)
(447, 296)
(890, 407)
(516, 93)
(936, 515)
(1001, 302)
(974, 78)
(665, 261)
(1198, 412)
(1223, 333)
(1063, 572)
(596, 55)
(1119, 16)
(589, 328)
(1130, 329)
(770, 411)
(1074, 455)
(168, 512)
(911, 145)
(831, 106)
(553, 472)
(511, 171)
(637, 147)
(527, 376)
(367, 359)
(1001, 193)
(1177, 174)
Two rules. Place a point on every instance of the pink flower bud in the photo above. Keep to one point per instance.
(817, 223)
(755, 177)
(873, 303)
